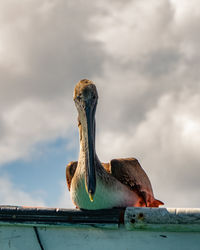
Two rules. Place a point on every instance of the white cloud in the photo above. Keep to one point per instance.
(11, 194)
(64, 200)
(29, 123)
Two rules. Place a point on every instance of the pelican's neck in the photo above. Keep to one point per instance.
(87, 157)
(83, 154)
(84, 146)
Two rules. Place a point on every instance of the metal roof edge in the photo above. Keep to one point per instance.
(60, 217)
(162, 219)
(131, 218)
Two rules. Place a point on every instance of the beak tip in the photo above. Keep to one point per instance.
(91, 196)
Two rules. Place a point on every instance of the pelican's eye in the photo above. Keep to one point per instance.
(78, 98)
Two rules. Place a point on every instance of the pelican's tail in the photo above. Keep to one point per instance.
(156, 203)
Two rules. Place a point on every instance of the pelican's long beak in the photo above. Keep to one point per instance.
(89, 134)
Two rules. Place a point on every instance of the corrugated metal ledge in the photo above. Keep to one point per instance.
(148, 219)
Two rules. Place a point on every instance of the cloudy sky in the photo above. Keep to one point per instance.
(144, 57)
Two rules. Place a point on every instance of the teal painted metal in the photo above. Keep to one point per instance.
(134, 228)
(24, 238)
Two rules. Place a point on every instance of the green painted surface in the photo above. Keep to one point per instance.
(24, 238)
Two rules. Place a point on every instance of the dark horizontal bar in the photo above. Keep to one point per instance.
(60, 215)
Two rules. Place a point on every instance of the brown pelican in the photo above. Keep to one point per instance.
(96, 185)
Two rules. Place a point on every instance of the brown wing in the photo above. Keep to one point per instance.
(129, 172)
(70, 170)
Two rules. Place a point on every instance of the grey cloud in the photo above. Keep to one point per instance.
(163, 68)
(57, 51)
(48, 48)
(161, 63)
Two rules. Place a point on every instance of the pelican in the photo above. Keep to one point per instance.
(95, 185)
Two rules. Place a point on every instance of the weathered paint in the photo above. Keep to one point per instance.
(54, 238)
(141, 228)
(163, 219)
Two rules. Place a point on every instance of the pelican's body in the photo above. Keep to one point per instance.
(109, 191)
(106, 196)
(95, 185)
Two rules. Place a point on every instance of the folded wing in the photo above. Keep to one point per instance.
(129, 172)
(70, 170)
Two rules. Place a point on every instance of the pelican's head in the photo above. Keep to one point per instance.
(85, 94)
(85, 97)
